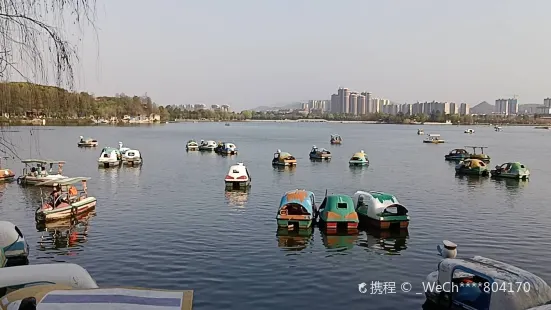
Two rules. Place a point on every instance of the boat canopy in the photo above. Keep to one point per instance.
(335, 136)
(473, 163)
(359, 155)
(42, 161)
(340, 204)
(64, 182)
(300, 197)
(284, 155)
(109, 149)
(537, 294)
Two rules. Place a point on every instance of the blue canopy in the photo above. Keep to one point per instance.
(300, 197)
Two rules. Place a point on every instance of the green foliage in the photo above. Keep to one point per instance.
(17, 99)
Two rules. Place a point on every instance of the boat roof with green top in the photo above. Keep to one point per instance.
(109, 149)
(64, 182)
(332, 202)
(382, 197)
(42, 161)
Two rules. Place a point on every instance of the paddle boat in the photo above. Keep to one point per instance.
(209, 145)
(65, 201)
(481, 156)
(359, 159)
(481, 283)
(380, 209)
(238, 177)
(65, 286)
(123, 149)
(468, 131)
(110, 157)
(420, 131)
(13, 245)
(226, 148)
(512, 170)
(337, 211)
(336, 139)
(316, 153)
(457, 154)
(542, 127)
(192, 145)
(38, 174)
(88, 142)
(227, 124)
(498, 128)
(472, 167)
(283, 159)
(6, 175)
(297, 210)
(433, 138)
(132, 158)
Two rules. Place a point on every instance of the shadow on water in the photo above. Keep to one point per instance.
(512, 185)
(470, 179)
(237, 197)
(294, 240)
(340, 241)
(358, 169)
(64, 237)
(284, 168)
(389, 242)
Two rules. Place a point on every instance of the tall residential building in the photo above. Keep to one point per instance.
(547, 102)
(362, 105)
(353, 103)
(512, 106)
(367, 102)
(464, 109)
(454, 108)
(334, 107)
(344, 100)
(502, 107)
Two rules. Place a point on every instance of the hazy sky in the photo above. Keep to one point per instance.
(248, 53)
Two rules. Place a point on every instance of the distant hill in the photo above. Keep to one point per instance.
(482, 108)
(295, 105)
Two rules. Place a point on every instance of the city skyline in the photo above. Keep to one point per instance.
(199, 52)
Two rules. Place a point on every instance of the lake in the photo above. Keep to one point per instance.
(170, 224)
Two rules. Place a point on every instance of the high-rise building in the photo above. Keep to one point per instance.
(454, 108)
(547, 102)
(464, 109)
(512, 106)
(367, 102)
(344, 100)
(334, 107)
(502, 107)
(362, 105)
(353, 103)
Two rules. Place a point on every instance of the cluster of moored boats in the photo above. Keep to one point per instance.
(223, 148)
(477, 164)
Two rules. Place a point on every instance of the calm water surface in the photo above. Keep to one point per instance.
(170, 224)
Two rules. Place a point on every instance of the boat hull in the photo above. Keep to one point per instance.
(358, 163)
(206, 148)
(228, 152)
(237, 184)
(291, 222)
(506, 175)
(455, 157)
(28, 180)
(475, 171)
(108, 164)
(336, 225)
(284, 163)
(320, 156)
(388, 222)
(87, 144)
(192, 148)
(66, 210)
(434, 141)
(132, 162)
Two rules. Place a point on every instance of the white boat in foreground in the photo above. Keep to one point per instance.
(238, 177)
(475, 283)
(110, 157)
(132, 158)
(35, 171)
(65, 286)
(469, 131)
(13, 245)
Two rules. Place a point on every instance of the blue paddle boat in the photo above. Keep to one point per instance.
(297, 209)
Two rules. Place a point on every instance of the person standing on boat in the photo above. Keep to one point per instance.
(55, 196)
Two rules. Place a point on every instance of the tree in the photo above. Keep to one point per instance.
(29, 42)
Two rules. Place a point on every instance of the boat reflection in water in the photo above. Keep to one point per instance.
(294, 239)
(470, 179)
(510, 184)
(64, 234)
(237, 197)
(136, 170)
(284, 168)
(390, 242)
(339, 240)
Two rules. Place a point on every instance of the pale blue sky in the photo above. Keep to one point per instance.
(249, 53)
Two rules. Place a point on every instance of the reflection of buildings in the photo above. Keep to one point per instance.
(339, 240)
(294, 240)
(237, 198)
(390, 241)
